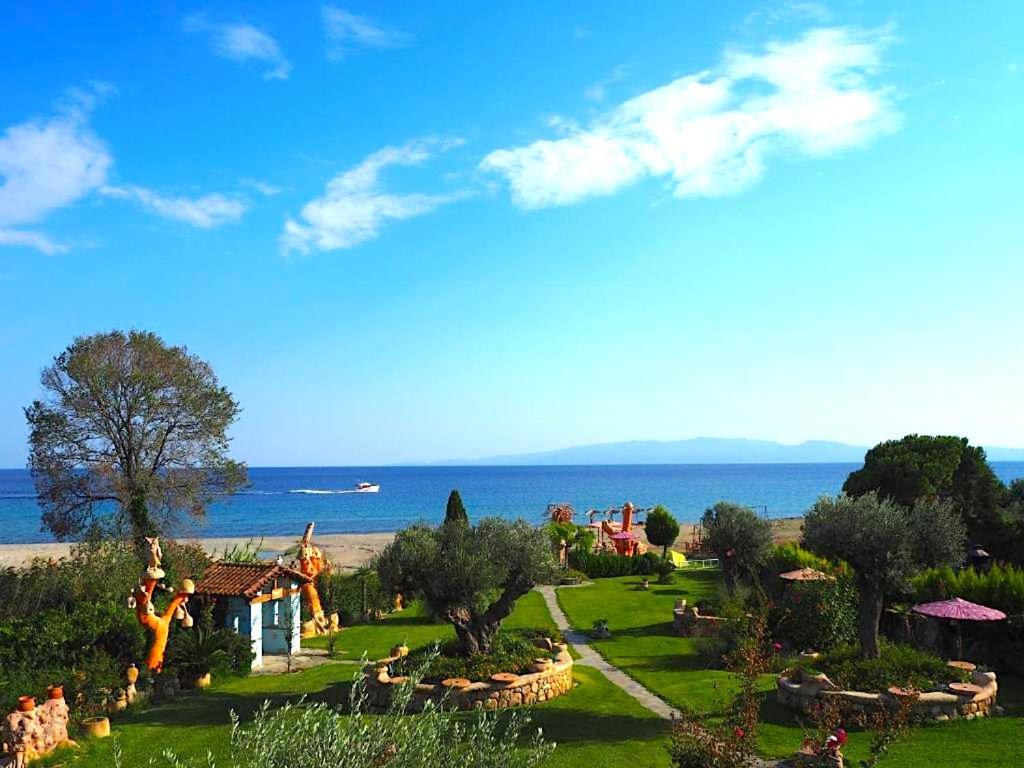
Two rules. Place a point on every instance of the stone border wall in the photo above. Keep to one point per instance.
(689, 622)
(533, 687)
(930, 705)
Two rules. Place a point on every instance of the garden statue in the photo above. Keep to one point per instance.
(312, 563)
(142, 601)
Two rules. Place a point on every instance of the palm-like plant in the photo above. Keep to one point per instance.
(200, 652)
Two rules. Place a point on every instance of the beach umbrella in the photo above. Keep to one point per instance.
(623, 536)
(804, 574)
(957, 610)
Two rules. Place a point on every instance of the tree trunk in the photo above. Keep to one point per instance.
(476, 631)
(138, 516)
(869, 613)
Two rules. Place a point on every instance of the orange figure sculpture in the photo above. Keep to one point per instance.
(142, 601)
(624, 545)
(312, 563)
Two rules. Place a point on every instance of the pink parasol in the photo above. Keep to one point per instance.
(959, 610)
(623, 535)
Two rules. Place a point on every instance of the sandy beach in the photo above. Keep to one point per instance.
(347, 551)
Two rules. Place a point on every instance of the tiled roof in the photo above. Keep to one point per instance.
(243, 579)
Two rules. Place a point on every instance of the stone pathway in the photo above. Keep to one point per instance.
(591, 658)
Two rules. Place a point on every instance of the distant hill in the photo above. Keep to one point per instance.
(698, 450)
(703, 450)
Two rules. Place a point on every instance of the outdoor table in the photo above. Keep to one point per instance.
(965, 689)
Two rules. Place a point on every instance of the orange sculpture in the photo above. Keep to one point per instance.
(624, 545)
(312, 563)
(142, 601)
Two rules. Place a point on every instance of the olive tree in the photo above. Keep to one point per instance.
(129, 434)
(885, 543)
(661, 528)
(741, 540)
(469, 575)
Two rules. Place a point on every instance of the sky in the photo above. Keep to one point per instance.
(412, 231)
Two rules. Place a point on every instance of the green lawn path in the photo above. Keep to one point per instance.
(644, 646)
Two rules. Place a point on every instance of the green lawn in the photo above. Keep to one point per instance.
(644, 646)
(594, 724)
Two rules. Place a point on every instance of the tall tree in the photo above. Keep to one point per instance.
(455, 510)
(885, 543)
(469, 575)
(661, 528)
(129, 435)
(741, 540)
(926, 466)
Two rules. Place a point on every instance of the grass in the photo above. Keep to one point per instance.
(596, 723)
(644, 646)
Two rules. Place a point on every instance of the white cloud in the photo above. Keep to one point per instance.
(46, 165)
(264, 188)
(242, 43)
(205, 212)
(354, 207)
(788, 11)
(348, 33)
(712, 132)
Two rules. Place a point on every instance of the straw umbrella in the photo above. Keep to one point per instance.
(958, 610)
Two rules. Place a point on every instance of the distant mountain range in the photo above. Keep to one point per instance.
(702, 450)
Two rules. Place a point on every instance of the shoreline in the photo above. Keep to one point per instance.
(347, 551)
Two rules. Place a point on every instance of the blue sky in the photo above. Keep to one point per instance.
(414, 231)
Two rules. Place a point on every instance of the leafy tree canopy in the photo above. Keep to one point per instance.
(661, 528)
(741, 540)
(925, 466)
(129, 434)
(885, 543)
(455, 510)
(469, 575)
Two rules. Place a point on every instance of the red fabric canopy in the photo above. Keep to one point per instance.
(623, 535)
(958, 609)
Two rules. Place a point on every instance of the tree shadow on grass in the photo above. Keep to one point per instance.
(567, 726)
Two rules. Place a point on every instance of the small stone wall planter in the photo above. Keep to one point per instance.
(501, 691)
(963, 700)
(689, 622)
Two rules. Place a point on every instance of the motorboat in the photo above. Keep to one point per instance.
(366, 488)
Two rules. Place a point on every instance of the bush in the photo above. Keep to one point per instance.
(603, 566)
(897, 665)
(816, 615)
(1000, 587)
(510, 652)
(791, 557)
(194, 652)
(354, 597)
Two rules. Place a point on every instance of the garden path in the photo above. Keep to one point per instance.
(592, 658)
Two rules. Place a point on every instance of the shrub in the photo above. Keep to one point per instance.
(311, 735)
(899, 665)
(354, 597)
(740, 539)
(791, 557)
(1000, 587)
(816, 615)
(194, 652)
(602, 566)
(510, 652)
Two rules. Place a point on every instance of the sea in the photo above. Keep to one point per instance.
(281, 500)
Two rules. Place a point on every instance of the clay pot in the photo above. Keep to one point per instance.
(188, 587)
(26, 703)
(55, 692)
(97, 727)
(203, 681)
(132, 674)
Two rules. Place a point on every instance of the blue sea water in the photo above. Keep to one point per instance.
(282, 500)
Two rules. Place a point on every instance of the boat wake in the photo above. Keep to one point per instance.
(318, 492)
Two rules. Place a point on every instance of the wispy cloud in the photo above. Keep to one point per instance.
(599, 90)
(205, 212)
(242, 43)
(792, 10)
(48, 164)
(348, 33)
(354, 207)
(264, 188)
(712, 132)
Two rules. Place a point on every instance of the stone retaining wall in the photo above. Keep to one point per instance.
(534, 687)
(30, 735)
(930, 705)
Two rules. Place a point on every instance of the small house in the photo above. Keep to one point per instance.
(259, 600)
